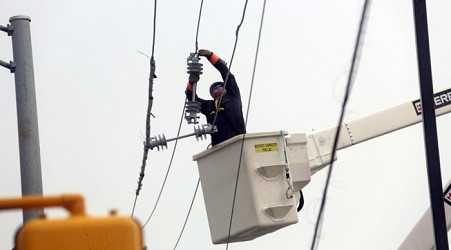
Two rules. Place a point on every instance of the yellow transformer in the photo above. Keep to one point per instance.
(78, 231)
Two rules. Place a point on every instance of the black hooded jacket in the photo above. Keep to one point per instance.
(229, 120)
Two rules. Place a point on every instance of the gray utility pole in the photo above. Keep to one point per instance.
(27, 117)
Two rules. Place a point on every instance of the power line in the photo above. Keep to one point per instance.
(351, 79)
(231, 60)
(187, 216)
(198, 24)
(169, 168)
(247, 116)
(214, 121)
(255, 60)
(175, 146)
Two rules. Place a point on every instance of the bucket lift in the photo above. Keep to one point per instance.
(261, 205)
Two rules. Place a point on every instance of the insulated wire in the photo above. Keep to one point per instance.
(214, 121)
(149, 108)
(231, 60)
(173, 152)
(351, 79)
(198, 25)
(187, 216)
(169, 168)
(178, 133)
(247, 116)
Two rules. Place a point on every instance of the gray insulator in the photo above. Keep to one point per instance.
(158, 142)
(201, 132)
(192, 108)
(194, 68)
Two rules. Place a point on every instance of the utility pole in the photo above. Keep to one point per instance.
(27, 118)
(429, 125)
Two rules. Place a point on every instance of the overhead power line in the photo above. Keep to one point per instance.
(247, 111)
(188, 214)
(175, 147)
(167, 171)
(350, 83)
(198, 24)
(231, 60)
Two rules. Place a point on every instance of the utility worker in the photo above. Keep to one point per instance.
(227, 115)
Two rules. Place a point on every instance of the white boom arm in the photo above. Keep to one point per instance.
(365, 128)
(282, 165)
(380, 123)
(421, 237)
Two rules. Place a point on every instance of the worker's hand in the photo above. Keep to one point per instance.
(193, 78)
(205, 52)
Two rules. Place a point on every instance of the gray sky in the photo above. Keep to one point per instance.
(92, 85)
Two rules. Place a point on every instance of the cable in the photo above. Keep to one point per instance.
(169, 168)
(231, 60)
(245, 124)
(148, 114)
(255, 60)
(198, 25)
(175, 146)
(351, 79)
(187, 216)
(154, 26)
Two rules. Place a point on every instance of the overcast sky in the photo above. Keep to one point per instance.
(92, 84)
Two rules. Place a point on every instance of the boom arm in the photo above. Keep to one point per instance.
(283, 164)
(422, 235)
(365, 128)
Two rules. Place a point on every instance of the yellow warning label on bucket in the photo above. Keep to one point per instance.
(266, 147)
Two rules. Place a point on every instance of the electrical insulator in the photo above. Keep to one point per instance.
(158, 142)
(194, 66)
(192, 106)
(200, 132)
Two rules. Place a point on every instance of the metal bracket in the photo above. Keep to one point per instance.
(8, 29)
(11, 65)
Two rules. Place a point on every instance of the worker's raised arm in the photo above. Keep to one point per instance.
(221, 66)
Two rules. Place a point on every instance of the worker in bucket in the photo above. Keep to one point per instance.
(225, 110)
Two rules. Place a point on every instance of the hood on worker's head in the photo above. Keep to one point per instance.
(215, 85)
